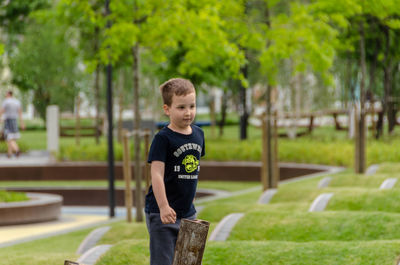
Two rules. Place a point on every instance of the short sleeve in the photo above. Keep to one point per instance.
(158, 149)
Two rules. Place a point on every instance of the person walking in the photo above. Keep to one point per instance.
(11, 108)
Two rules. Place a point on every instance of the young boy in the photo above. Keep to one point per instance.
(174, 156)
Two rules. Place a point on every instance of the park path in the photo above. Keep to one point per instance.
(34, 157)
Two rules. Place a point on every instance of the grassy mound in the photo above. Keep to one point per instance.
(366, 200)
(271, 252)
(304, 226)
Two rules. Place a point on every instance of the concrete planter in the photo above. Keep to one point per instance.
(40, 207)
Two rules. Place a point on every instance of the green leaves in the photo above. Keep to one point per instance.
(303, 37)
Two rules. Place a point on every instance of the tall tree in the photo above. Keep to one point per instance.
(43, 64)
(14, 17)
(87, 20)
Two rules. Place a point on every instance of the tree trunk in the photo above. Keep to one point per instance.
(191, 242)
(268, 168)
(212, 113)
(224, 107)
(372, 72)
(136, 111)
(121, 86)
(97, 89)
(361, 146)
(244, 115)
(41, 101)
(387, 79)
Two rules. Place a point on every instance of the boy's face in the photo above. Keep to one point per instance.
(182, 110)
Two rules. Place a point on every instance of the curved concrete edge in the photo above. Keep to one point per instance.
(225, 226)
(267, 196)
(40, 207)
(320, 203)
(92, 239)
(92, 255)
(388, 184)
(371, 170)
(323, 183)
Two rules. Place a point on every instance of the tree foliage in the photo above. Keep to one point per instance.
(43, 65)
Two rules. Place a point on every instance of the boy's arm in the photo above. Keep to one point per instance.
(167, 214)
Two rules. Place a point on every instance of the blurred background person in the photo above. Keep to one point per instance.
(12, 111)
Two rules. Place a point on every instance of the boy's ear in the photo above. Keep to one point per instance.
(166, 109)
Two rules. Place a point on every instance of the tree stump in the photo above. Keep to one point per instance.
(191, 242)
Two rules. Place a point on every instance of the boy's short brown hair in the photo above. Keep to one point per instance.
(175, 86)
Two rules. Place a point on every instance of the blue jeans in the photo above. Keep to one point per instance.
(162, 239)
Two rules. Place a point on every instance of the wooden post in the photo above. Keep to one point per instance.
(127, 176)
(276, 173)
(191, 242)
(138, 176)
(147, 174)
(264, 166)
(356, 140)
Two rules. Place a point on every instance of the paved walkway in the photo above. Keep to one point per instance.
(72, 218)
(35, 157)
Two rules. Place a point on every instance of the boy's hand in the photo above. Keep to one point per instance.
(168, 215)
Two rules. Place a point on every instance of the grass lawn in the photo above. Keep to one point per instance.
(49, 251)
(366, 200)
(324, 146)
(310, 253)
(319, 226)
(360, 226)
(135, 251)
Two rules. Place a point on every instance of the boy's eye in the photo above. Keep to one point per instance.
(181, 107)
(192, 106)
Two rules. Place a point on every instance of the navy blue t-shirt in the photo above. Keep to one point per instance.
(181, 154)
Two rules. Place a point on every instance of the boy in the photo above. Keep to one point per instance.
(174, 156)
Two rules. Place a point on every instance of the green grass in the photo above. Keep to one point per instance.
(366, 200)
(325, 226)
(6, 196)
(360, 226)
(353, 180)
(131, 251)
(269, 252)
(323, 146)
(391, 168)
(121, 231)
(216, 210)
(291, 253)
(50, 251)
